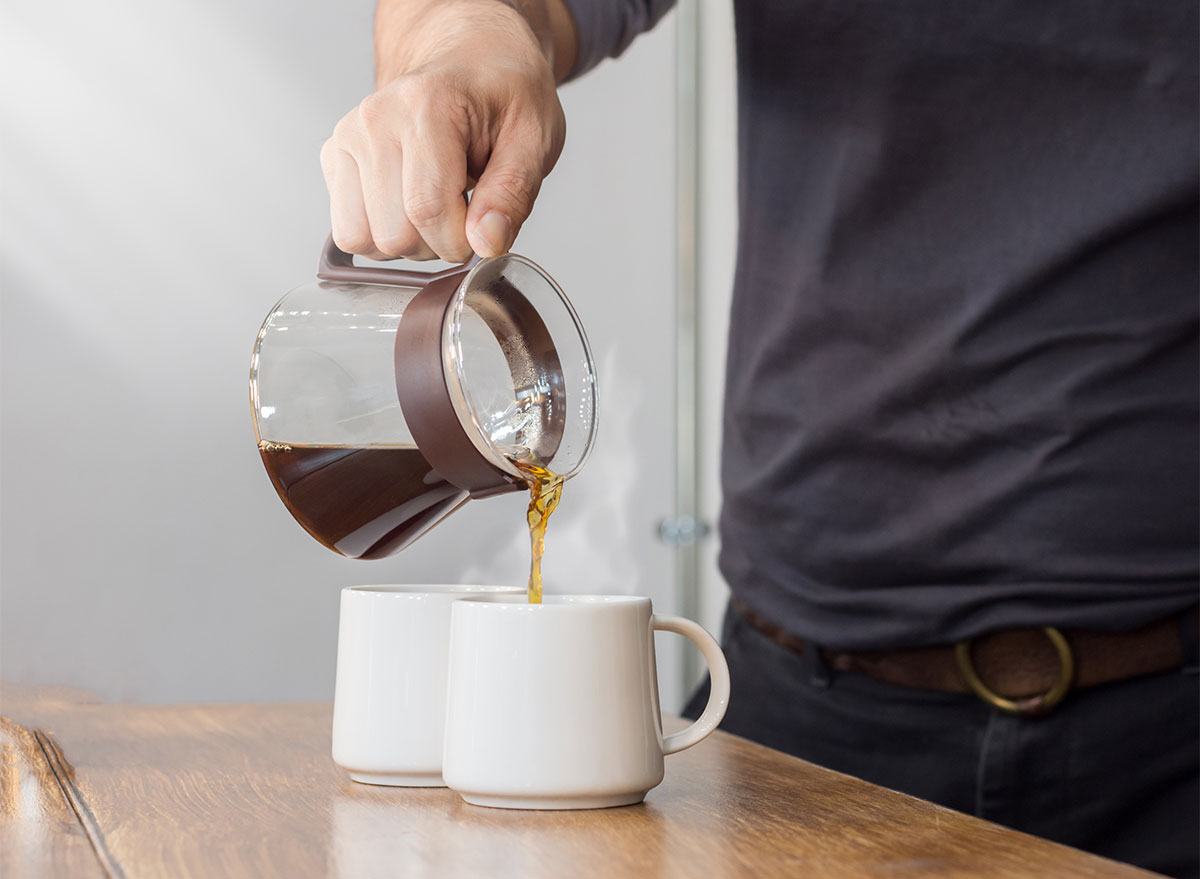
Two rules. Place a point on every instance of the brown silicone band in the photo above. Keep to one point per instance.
(421, 384)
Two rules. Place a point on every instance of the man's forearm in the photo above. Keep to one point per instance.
(406, 29)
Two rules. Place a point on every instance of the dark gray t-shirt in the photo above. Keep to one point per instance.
(962, 386)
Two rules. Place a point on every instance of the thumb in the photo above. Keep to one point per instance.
(503, 197)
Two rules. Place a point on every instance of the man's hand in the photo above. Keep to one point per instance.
(466, 100)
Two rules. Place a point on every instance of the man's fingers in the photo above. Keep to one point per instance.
(398, 165)
(381, 172)
(504, 196)
(434, 178)
(347, 216)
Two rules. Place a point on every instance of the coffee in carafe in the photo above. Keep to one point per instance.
(365, 503)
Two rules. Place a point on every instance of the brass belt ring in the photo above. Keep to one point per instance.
(1029, 706)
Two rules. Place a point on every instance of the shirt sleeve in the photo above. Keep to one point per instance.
(607, 27)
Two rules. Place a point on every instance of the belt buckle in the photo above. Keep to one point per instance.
(1029, 706)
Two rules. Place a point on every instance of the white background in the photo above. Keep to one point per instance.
(160, 191)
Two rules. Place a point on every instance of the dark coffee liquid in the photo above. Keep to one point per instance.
(365, 502)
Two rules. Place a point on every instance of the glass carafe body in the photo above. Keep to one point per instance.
(373, 430)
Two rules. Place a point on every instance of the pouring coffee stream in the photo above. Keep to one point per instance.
(545, 491)
(385, 399)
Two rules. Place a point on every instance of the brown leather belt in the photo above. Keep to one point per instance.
(1022, 671)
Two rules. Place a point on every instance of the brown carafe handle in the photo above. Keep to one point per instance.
(337, 265)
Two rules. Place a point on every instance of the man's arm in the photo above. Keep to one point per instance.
(465, 100)
(395, 20)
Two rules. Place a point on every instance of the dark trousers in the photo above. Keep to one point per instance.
(1113, 770)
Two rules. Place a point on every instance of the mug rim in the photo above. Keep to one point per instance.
(556, 603)
(408, 590)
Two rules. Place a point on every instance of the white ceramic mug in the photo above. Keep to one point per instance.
(555, 705)
(389, 705)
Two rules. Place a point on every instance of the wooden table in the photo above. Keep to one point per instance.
(93, 789)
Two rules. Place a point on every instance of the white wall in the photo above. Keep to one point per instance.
(161, 190)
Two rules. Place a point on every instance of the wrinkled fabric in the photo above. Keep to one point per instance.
(962, 378)
(607, 27)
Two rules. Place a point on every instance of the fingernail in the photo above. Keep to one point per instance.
(493, 228)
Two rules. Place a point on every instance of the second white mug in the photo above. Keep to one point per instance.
(555, 705)
(389, 705)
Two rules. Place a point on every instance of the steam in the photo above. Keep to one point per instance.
(589, 539)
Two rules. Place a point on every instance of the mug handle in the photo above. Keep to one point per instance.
(718, 673)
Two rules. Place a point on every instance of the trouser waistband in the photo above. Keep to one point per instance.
(1021, 671)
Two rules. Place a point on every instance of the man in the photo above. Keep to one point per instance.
(960, 451)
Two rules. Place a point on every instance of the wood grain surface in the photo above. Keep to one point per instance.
(39, 831)
(250, 790)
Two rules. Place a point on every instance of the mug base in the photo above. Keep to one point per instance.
(391, 779)
(493, 801)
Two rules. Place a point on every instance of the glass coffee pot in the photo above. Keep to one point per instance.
(384, 398)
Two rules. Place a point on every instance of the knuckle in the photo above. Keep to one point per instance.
(515, 187)
(408, 86)
(456, 252)
(374, 114)
(343, 132)
(328, 156)
(425, 207)
(353, 241)
(395, 245)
